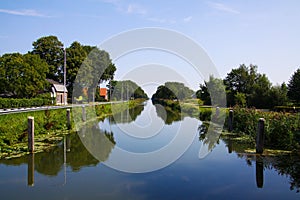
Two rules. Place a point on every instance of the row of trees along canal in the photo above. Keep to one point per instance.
(246, 87)
(25, 75)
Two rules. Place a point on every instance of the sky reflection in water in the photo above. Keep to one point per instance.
(219, 175)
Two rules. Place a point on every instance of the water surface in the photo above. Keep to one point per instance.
(71, 171)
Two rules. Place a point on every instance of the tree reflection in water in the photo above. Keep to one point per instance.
(167, 114)
(51, 162)
(211, 139)
(97, 142)
(87, 148)
(126, 116)
(284, 164)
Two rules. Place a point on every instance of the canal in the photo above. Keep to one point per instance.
(148, 153)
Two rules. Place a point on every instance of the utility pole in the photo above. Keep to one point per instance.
(65, 75)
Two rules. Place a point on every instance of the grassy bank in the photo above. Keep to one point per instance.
(50, 126)
(282, 130)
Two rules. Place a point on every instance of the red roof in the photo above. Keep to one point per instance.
(103, 91)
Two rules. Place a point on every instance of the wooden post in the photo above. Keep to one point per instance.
(30, 170)
(217, 112)
(229, 146)
(259, 172)
(68, 143)
(260, 137)
(230, 121)
(31, 134)
(83, 114)
(68, 119)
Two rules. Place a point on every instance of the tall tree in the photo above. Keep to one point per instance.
(259, 94)
(216, 89)
(173, 90)
(247, 81)
(294, 87)
(75, 56)
(278, 95)
(164, 92)
(240, 99)
(50, 49)
(22, 76)
(237, 79)
(203, 94)
(212, 92)
(95, 69)
(125, 90)
(140, 93)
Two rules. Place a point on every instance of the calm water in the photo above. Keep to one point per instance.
(77, 168)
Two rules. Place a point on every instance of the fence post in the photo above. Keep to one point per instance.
(230, 121)
(68, 119)
(31, 134)
(83, 114)
(260, 137)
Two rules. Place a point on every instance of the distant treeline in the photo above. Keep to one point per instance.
(245, 87)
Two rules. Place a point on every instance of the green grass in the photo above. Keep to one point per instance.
(49, 126)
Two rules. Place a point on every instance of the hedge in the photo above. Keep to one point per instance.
(21, 103)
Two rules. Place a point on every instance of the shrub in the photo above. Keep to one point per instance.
(281, 129)
(21, 103)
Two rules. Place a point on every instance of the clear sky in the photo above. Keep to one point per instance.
(261, 32)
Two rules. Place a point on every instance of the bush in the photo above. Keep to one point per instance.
(281, 129)
(21, 103)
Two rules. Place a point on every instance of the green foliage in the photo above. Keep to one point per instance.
(96, 63)
(259, 94)
(174, 105)
(281, 129)
(205, 113)
(212, 92)
(23, 103)
(163, 92)
(50, 49)
(168, 114)
(173, 90)
(278, 96)
(13, 127)
(22, 76)
(240, 99)
(203, 94)
(140, 93)
(75, 56)
(95, 69)
(294, 87)
(125, 90)
(216, 90)
(256, 87)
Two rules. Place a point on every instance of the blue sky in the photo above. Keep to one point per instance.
(265, 33)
